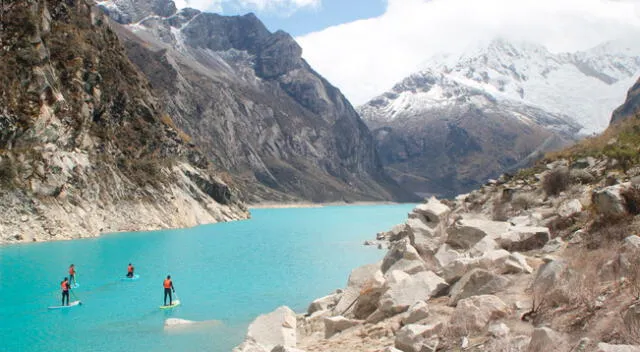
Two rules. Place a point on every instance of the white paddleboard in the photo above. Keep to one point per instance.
(174, 304)
(71, 305)
(134, 278)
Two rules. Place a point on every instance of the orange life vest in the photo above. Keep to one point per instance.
(65, 286)
(72, 271)
(167, 283)
(130, 268)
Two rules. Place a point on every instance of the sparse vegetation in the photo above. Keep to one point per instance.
(556, 181)
(7, 172)
(632, 198)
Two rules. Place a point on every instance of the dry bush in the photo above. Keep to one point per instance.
(632, 198)
(609, 230)
(523, 201)
(556, 181)
(500, 210)
(7, 172)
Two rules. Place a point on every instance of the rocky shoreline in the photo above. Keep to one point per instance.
(543, 261)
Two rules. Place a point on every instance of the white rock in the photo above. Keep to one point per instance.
(408, 266)
(569, 208)
(423, 238)
(523, 238)
(474, 313)
(631, 244)
(544, 339)
(475, 283)
(334, 325)
(445, 255)
(609, 201)
(411, 337)
(281, 348)
(483, 246)
(397, 233)
(394, 276)
(275, 328)
(433, 211)
(553, 246)
(399, 250)
(516, 264)
(400, 296)
(324, 303)
(605, 347)
(366, 275)
(499, 330)
(250, 346)
(418, 311)
(391, 349)
(467, 232)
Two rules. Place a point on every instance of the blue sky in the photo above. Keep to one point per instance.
(297, 17)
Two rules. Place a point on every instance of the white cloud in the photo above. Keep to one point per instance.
(365, 58)
(283, 7)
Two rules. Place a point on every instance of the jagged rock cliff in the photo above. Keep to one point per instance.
(631, 106)
(254, 105)
(85, 147)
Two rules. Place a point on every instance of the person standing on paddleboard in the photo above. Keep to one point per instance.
(72, 274)
(168, 287)
(130, 269)
(65, 286)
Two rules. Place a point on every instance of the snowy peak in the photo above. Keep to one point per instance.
(586, 85)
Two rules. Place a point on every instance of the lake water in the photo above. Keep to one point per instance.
(228, 272)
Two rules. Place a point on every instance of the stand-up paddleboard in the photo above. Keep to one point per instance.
(134, 278)
(174, 304)
(71, 305)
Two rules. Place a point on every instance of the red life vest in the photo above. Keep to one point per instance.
(72, 271)
(167, 283)
(130, 268)
(64, 285)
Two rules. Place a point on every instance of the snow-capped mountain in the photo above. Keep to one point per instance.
(502, 102)
(586, 85)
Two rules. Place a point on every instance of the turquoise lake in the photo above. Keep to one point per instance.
(228, 272)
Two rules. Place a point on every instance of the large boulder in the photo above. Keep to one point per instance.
(474, 313)
(475, 283)
(400, 296)
(545, 339)
(424, 239)
(609, 201)
(399, 250)
(366, 278)
(492, 260)
(465, 233)
(445, 255)
(412, 338)
(334, 325)
(569, 208)
(605, 347)
(281, 348)
(275, 328)
(523, 238)
(516, 264)
(551, 280)
(432, 213)
(324, 303)
(417, 312)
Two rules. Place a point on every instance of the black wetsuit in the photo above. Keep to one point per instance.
(65, 293)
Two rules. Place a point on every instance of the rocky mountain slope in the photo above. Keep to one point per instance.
(631, 106)
(546, 260)
(85, 147)
(255, 106)
(464, 119)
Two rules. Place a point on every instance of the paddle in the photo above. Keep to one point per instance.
(75, 297)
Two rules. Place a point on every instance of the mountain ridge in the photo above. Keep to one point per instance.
(257, 108)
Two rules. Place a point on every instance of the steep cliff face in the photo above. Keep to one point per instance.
(631, 106)
(257, 108)
(85, 147)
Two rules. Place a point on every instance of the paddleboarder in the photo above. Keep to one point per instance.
(130, 269)
(168, 287)
(65, 286)
(72, 275)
